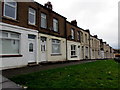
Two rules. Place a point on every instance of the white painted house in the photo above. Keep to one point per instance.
(19, 46)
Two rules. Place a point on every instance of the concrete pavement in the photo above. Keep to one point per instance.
(6, 84)
(29, 69)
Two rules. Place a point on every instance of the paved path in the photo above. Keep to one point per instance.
(28, 69)
(6, 84)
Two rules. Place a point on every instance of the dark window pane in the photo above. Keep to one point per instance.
(31, 36)
(31, 19)
(31, 47)
(9, 11)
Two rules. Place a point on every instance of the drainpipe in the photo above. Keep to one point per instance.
(38, 37)
(66, 39)
(89, 44)
(89, 47)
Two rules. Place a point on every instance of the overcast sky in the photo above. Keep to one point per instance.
(99, 16)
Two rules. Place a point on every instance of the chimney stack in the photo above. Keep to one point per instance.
(48, 5)
(88, 30)
(104, 42)
(95, 36)
(74, 22)
(101, 40)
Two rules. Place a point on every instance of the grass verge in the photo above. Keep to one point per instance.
(99, 74)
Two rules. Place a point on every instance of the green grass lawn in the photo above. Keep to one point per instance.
(99, 74)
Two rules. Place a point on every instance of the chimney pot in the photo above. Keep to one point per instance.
(95, 36)
(48, 5)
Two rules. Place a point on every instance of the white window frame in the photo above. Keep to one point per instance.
(92, 42)
(44, 16)
(32, 14)
(6, 2)
(73, 49)
(9, 37)
(55, 25)
(72, 33)
(56, 42)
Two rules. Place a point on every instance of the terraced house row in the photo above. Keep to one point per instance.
(33, 33)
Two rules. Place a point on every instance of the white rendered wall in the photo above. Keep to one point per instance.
(14, 62)
(69, 43)
(49, 56)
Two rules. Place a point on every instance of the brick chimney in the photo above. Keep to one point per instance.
(104, 42)
(101, 40)
(95, 36)
(74, 22)
(87, 30)
(48, 5)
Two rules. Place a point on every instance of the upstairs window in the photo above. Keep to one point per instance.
(72, 34)
(10, 9)
(43, 20)
(82, 37)
(85, 38)
(55, 25)
(32, 16)
(78, 36)
(92, 42)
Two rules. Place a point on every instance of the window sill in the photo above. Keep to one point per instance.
(73, 56)
(3, 56)
(8, 18)
(56, 54)
(72, 38)
(78, 40)
(55, 31)
(44, 28)
(32, 25)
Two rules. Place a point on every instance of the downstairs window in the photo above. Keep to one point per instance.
(10, 43)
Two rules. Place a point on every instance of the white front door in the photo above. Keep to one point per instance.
(31, 49)
(43, 49)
